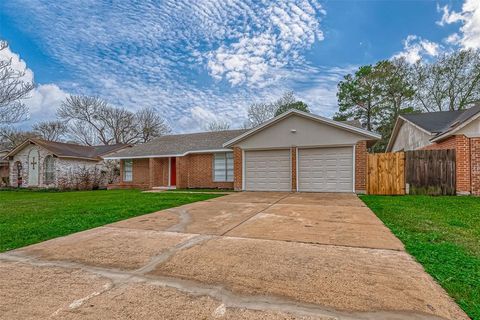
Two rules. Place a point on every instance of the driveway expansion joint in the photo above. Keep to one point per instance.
(227, 297)
(252, 216)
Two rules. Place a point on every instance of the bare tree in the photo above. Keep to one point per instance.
(81, 113)
(218, 125)
(119, 124)
(258, 113)
(11, 137)
(150, 125)
(92, 120)
(450, 83)
(50, 130)
(13, 88)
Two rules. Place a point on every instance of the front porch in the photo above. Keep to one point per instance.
(147, 173)
(192, 171)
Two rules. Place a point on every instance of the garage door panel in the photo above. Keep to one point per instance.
(326, 169)
(267, 170)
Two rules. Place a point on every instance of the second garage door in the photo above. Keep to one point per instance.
(325, 169)
(267, 170)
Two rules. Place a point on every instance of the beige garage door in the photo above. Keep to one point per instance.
(267, 170)
(325, 169)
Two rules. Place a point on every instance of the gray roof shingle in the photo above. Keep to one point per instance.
(442, 121)
(179, 144)
(71, 150)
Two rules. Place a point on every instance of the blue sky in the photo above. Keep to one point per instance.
(208, 60)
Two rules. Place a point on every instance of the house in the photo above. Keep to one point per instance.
(458, 130)
(3, 168)
(41, 163)
(295, 151)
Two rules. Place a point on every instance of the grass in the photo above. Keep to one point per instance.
(443, 234)
(28, 217)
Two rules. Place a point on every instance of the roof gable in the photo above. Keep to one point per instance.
(339, 127)
(69, 150)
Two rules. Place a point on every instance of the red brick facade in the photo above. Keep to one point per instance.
(192, 171)
(293, 156)
(449, 143)
(462, 151)
(467, 152)
(237, 169)
(196, 171)
(361, 154)
(475, 165)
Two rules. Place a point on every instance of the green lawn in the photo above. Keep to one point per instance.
(28, 217)
(443, 234)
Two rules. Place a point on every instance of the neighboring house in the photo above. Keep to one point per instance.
(458, 130)
(294, 151)
(41, 163)
(3, 168)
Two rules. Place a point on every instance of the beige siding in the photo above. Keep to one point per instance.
(308, 133)
(410, 137)
(472, 130)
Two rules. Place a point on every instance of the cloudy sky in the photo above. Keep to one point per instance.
(203, 60)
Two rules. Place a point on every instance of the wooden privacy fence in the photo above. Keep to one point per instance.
(414, 172)
(431, 172)
(386, 173)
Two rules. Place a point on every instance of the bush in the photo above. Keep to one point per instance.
(82, 178)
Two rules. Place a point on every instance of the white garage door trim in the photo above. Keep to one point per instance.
(310, 189)
(278, 185)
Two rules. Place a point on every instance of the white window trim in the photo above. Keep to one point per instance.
(124, 171)
(226, 167)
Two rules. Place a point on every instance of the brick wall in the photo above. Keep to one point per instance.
(237, 168)
(158, 168)
(147, 173)
(196, 171)
(182, 172)
(463, 172)
(293, 156)
(475, 165)
(361, 167)
(449, 143)
(140, 174)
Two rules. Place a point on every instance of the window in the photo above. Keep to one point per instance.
(223, 167)
(127, 170)
(49, 165)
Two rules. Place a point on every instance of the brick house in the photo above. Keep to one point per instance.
(295, 151)
(42, 164)
(458, 130)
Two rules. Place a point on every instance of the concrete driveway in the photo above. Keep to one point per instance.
(241, 256)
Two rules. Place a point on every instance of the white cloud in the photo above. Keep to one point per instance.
(177, 55)
(17, 63)
(42, 101)
(469, 17)
(255, 56)
(416, 48)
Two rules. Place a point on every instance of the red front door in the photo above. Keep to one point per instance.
(173, 171)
